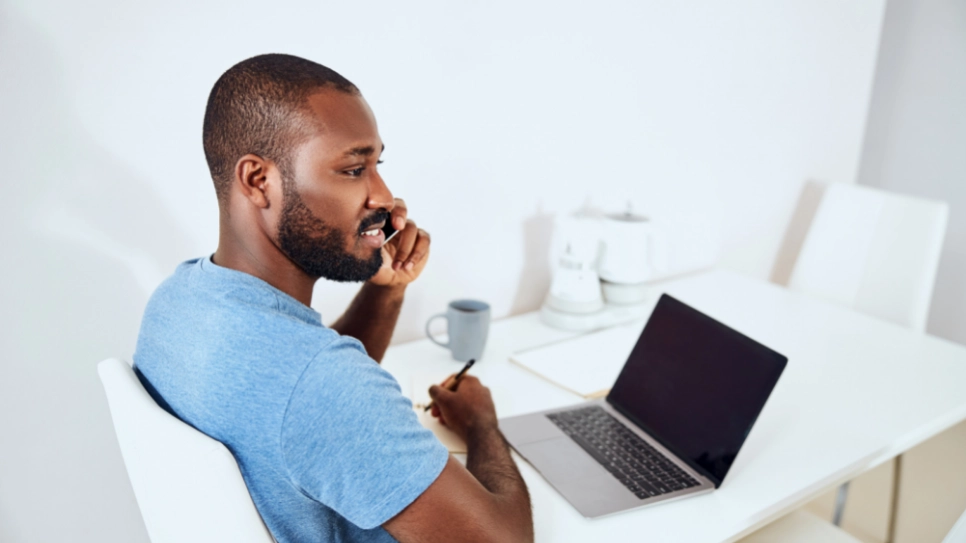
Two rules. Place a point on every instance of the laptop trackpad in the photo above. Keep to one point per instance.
(577, 476)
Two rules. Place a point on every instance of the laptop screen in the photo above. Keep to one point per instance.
(696, 385)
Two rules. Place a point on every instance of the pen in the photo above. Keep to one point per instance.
(456, 380)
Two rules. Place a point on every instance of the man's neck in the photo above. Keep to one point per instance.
(262, 259)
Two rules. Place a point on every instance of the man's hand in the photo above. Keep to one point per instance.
(485, 501)
(466, 409)
(405, 256)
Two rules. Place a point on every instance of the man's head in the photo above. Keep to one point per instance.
(292, 147)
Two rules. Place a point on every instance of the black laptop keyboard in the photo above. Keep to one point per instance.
(636, 464)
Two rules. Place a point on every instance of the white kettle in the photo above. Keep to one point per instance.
(628, 252)
(576, 286)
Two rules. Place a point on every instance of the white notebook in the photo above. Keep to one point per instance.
(586, 365)
(419, 394)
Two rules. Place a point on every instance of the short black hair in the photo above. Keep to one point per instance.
(259, 106)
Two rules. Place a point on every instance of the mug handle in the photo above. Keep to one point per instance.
(430, 336)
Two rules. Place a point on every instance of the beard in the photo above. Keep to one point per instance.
(318, 249)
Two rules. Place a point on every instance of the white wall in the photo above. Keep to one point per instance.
(916, 137)
(497, 117)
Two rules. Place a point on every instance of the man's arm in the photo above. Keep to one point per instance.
(487, 501)
(372, 316)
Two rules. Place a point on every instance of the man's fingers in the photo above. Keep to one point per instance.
(404, 247)
(471, 379)
(399, 214)
(438, 393)
(420, 249)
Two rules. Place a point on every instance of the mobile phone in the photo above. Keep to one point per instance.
(388, 231)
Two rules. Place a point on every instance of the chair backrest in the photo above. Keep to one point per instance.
(187, 485)
(873, 251)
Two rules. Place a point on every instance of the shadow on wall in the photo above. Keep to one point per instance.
(85, 243)
(8, 532)
(947, 314)
(535, 276)
(801, 221)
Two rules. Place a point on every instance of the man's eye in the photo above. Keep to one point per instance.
(356, 172)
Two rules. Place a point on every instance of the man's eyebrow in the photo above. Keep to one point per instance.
(368, 150)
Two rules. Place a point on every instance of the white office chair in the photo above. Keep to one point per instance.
(877, 253)
(187, 485)
(874, 252)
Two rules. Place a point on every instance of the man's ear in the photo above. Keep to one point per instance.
(251, 176)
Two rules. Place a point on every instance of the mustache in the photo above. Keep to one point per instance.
(379, 216)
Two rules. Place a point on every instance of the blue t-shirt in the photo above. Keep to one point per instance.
(327, 444)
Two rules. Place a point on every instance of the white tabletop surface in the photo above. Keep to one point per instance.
(856, 392)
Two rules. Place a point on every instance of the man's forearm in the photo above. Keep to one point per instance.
(371, 317)
(488, 459)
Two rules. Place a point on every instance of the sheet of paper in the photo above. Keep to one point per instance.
(586, 365)
(447, 437)
(419, 394)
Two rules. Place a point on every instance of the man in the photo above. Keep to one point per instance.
(329, 448)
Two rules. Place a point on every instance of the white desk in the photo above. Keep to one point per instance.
(856, 392)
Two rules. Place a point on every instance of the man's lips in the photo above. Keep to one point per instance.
(377, 226)
(374, 240)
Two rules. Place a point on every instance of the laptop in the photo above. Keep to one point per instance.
(670, 427)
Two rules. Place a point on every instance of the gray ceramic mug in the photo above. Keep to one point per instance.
(467, 324)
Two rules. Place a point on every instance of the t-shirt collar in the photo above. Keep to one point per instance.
(286, 304)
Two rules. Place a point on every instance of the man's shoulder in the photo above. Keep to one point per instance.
(199, 283)
(203, 297)
(175, 284)
(202, 341)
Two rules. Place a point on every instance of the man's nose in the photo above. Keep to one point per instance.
(379, 195)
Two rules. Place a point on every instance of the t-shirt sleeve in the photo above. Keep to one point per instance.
(351, 440)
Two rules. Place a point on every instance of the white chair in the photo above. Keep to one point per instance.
(187, 485)
(874, 252)
(877, 253)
